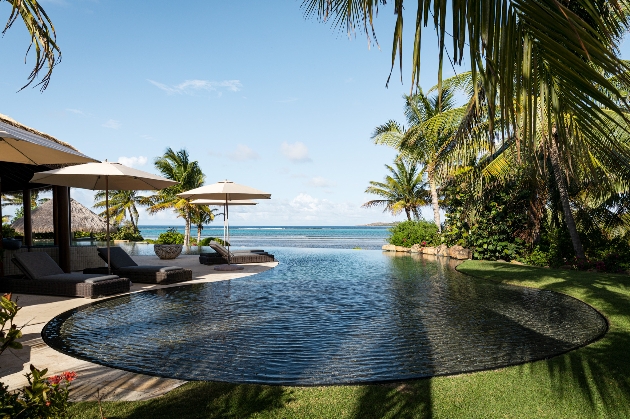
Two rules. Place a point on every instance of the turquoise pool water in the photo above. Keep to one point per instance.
(326, 316)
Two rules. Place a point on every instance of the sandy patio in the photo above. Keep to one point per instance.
(95, 380)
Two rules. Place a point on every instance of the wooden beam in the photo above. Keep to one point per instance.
(28, 226)
(64, 227)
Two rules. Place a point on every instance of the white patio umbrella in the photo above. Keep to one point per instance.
(219, 203)
(225, 191)
(104, 176)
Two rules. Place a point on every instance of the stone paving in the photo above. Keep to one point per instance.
(95, 380)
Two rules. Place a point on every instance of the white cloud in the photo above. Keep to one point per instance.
(243, 153)
(320, 182)
(132, 161)
(76, 111)
(112, 123)
(296, 152)
(190, 86)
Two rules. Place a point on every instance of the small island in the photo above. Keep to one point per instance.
(379, 224)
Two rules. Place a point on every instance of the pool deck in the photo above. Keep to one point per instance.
(96, 381)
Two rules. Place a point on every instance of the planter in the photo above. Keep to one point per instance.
(11, 244)
(167, 251)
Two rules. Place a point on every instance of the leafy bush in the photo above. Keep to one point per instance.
(128, 232)
(409, 233)
(207, 240)
(538, 257)
(7, 231)
(170, 236)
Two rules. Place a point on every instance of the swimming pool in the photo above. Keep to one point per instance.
(326, 316)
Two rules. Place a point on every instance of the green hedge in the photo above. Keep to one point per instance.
(408, 233)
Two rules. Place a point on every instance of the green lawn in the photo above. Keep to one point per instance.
(590, 382)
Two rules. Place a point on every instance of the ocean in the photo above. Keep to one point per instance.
(340, 237)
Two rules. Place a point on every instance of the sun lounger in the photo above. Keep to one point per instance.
(44, 276)
(122, 264)
(239, 256)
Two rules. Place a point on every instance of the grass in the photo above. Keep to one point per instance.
(591, 382)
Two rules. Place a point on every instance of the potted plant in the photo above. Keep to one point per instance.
(169, 244)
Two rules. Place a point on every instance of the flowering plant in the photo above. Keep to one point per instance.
(44, 398)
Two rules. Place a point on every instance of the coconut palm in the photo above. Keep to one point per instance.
(43, 37)
(432, 122)
(121, 204)
(202, 215)
(402, 190)
(519, 51)
(176, 166)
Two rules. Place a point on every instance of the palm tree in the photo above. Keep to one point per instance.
(519, 51)
(202, 215)
(43, 37)
(432, 121)
(178, 167)
(403, 189)
(121, 204)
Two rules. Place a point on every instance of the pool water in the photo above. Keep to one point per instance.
(326, 316)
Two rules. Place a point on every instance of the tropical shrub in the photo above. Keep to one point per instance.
(409, 233)
(170, 236)
(128, 231)
(7, 231)
(207, 240)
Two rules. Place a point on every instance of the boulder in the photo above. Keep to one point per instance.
(403, 249)
(441, 250)
(428, 250)
(458, 252)
(516, 262)
(389, 248)
(416, 248)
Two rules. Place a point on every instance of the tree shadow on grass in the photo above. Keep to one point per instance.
(599, 373)
(397, 400)
(212, 400)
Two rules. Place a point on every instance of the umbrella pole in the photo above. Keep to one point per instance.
(1, 246)
(109, 260)
(227, 227)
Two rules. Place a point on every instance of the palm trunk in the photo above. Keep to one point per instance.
(564, 199)
(434, 198)
(199, 235)
(187, 230)
(408, 214)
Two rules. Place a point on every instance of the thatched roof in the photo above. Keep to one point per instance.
(10, 121)
(82, 219)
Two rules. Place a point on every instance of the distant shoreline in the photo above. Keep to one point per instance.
(379, 224)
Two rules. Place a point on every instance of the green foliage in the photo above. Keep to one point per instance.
(170, 236)
(409, 233)
(44, 398)
(538, 257)
(9, 332)
(8, 231)
(207, 240)
(128, 231)
(488, 224)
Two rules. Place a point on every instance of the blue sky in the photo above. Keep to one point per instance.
(254, 91)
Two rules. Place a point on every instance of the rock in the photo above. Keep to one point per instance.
(416, 248)
(428, 250)
(389, 248)
(501, 260)
(516, 262)
(403, 249)
(458, 252)
(441, 250)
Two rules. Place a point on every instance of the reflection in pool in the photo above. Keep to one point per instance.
(325, 317)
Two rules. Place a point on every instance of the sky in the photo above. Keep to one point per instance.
(255, 92)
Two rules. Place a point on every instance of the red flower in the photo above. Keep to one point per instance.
(55, 379)
(48, 403)
(69, 375)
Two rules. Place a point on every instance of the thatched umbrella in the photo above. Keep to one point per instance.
(82, 219)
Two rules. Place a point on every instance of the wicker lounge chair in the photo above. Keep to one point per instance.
(44, 276)
(239, 256)
(124, 265)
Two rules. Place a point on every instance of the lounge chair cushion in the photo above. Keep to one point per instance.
(36, 265)
(120, 258)
(149, 268)
(77, 277)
